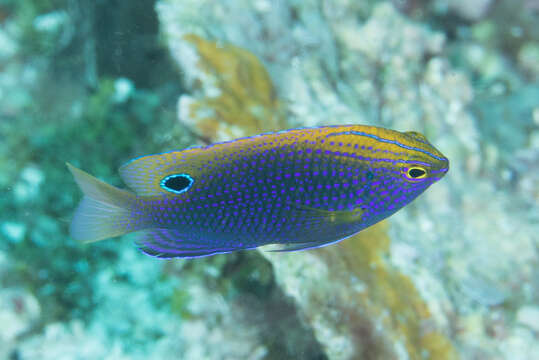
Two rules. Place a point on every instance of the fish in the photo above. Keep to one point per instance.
(290, 190)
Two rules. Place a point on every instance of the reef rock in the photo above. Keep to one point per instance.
(442, 278)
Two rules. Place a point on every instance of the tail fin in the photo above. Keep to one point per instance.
(104, 212)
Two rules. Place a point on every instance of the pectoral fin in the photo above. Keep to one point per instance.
(328, 227)
(312, 215)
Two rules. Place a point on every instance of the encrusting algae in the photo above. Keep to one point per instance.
(238, 97)
(385, 289)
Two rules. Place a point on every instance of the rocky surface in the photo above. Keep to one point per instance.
(453, 275)
(463, 249)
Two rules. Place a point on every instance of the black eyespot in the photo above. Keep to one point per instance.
(416, 173)
(177, 183)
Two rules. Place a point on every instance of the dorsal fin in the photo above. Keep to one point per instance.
(417, 136)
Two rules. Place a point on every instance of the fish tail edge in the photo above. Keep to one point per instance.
(104, 212)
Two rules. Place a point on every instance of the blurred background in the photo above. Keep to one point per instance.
(454, 275)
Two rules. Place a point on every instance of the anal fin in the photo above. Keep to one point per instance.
(168, 243)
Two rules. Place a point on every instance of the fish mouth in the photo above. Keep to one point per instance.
(443, 168)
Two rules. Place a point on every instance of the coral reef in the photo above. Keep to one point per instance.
(436, 284)
(367, 308)
(19, 311)
(107, 300)
(453, 275)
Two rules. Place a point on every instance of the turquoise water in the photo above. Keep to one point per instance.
(96, 83)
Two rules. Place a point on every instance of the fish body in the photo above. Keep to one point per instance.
(299, 188)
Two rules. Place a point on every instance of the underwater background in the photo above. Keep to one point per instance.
(454, 275)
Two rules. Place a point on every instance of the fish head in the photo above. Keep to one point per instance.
(421, 164)
(431, 164)
(393, 167)
(397, 167)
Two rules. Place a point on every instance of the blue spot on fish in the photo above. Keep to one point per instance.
(177, 183)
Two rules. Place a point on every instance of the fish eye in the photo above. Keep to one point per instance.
(416, 173)
(177, 183)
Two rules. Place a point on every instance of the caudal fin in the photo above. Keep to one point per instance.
(104, 212)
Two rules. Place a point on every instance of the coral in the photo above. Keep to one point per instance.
(451, 275)
(249, 314)
(107, 300)
(19, 314)
(373, 65)
(528, 58)
(513, 112)
(235, 96)
(366, 307)
(470, 10)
